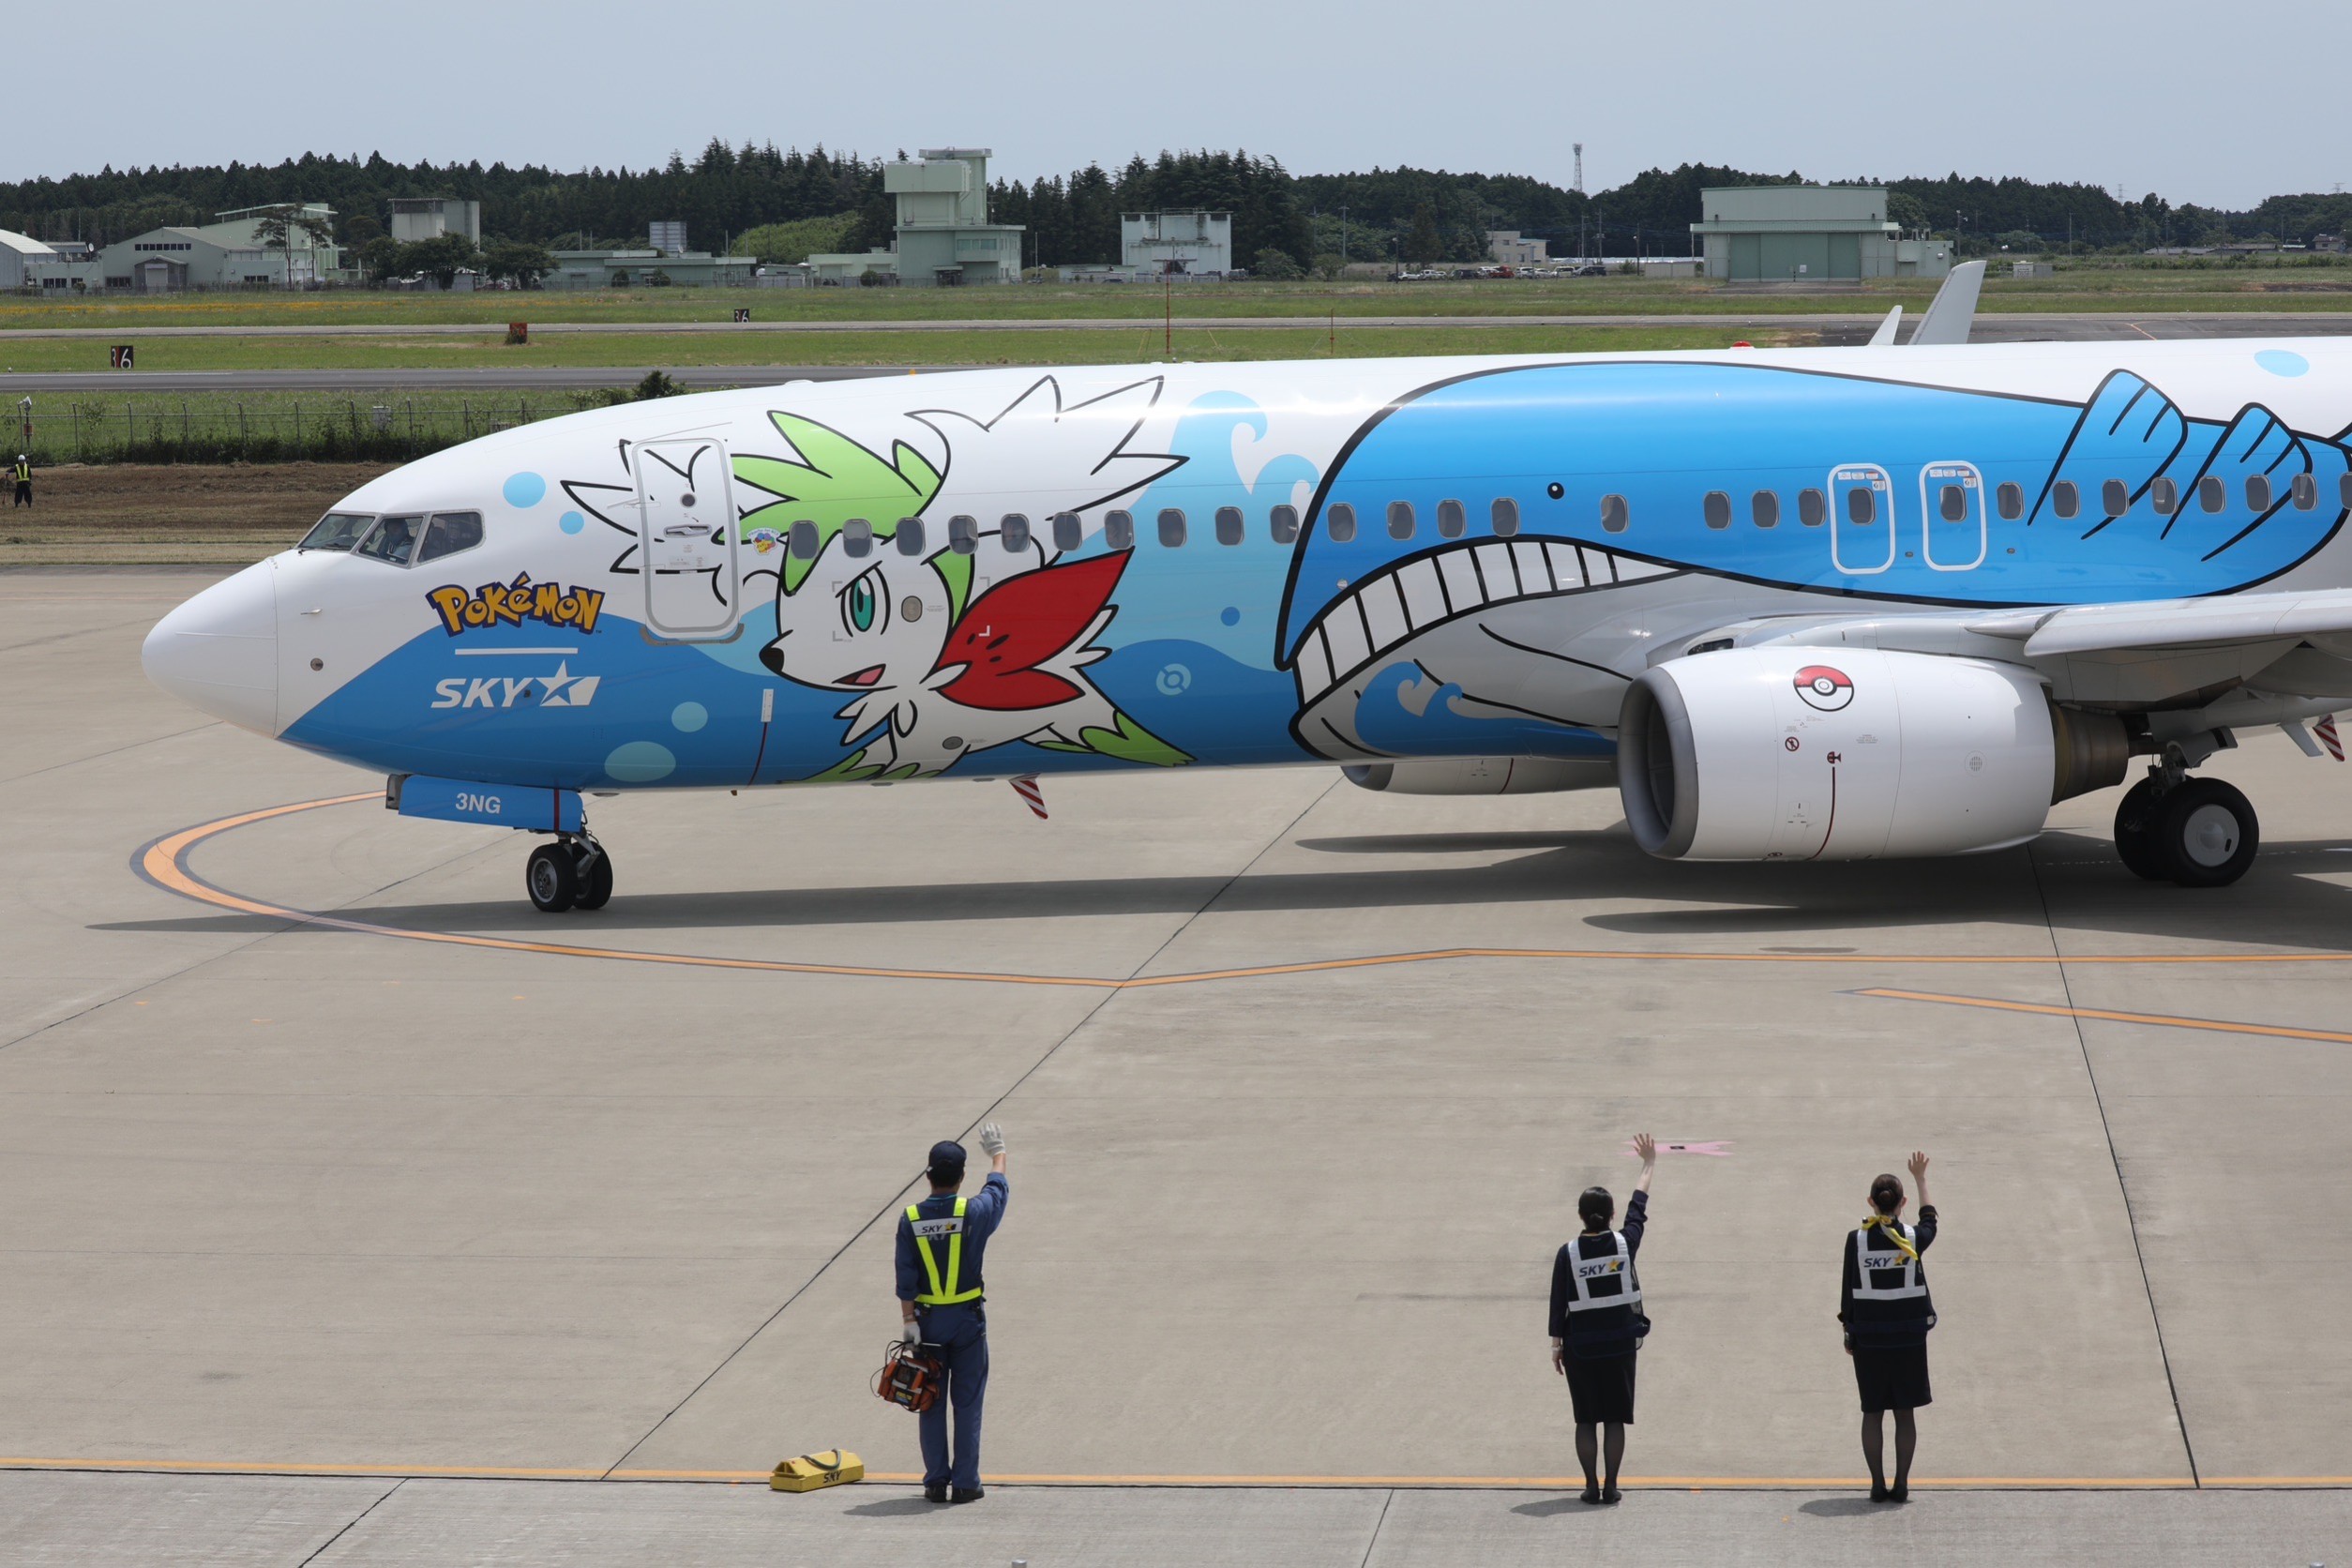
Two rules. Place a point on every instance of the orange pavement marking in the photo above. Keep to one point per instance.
(164, 862)
(2164, 1020)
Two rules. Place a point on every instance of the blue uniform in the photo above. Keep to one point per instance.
(957, 1329)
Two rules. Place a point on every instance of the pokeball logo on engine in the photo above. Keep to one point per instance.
(1824, 689)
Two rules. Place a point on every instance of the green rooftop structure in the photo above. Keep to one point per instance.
(944, 235)
(1803, 233)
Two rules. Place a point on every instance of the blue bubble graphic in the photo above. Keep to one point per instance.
(640, 762)
(525, 489)
(1229, 616)
(571, 522)
(689, 716)
(2282, 362)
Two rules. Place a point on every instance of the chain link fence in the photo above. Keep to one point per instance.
(214, 429)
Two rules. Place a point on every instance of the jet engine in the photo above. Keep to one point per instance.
(1480, 776)
(1849, 754)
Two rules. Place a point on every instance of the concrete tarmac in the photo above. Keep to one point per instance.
(1301, 1083)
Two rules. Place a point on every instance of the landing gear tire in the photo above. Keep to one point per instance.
(2135, 824)
(593, 869)
(2208, 832)
(551, 878)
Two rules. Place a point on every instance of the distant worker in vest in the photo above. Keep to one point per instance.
(941, 1241)
(23, 472)
(1887, 1312)
(1597, 1322)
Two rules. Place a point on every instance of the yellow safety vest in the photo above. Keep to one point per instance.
(943, 1292)
(25, 472)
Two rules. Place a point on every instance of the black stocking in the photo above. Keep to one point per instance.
(1874, 1443)
(1587, 1451)
(1613, 1450)
(1906, 1443)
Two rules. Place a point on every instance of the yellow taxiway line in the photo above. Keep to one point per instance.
(164, 862)
(2161, 1020)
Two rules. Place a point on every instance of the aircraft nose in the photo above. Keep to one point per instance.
(219, 650)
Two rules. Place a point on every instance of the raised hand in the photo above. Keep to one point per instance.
(1918, 1165)
(1647, 1147)
(992, 1139)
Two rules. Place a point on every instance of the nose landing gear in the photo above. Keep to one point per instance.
(2196, 832)
(573, 872)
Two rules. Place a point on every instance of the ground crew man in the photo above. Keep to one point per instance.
(1597, 1320)
(23, 472)
(1887, 1312)
(941, 1241)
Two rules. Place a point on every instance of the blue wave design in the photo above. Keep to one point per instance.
(1406, 712)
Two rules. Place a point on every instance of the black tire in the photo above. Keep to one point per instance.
(552, 876)
(595, 879)
(2135, 841)
(2209, 833)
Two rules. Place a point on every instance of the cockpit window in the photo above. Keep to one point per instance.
(450, 533)
(392, 539)
(336, 531)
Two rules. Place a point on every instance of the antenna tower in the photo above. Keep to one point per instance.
(1580, 146)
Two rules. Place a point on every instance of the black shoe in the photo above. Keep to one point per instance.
(1610, 1494)
(1591, 1494)
(1899, 1492)
(1877, 1491)
(966, 1494)
(934, 1494)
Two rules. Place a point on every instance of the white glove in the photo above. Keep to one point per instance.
(992, 1139)
(911, 1335)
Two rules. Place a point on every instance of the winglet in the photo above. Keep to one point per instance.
(1953, 309)
(1884, 336)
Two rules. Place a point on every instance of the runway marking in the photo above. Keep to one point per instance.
(164, 863)
(1459, 1483)
(2163, 1020)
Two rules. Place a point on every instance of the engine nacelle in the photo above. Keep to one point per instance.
(1852, 754)
(1480, 776)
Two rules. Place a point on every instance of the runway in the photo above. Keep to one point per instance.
(355, 1206)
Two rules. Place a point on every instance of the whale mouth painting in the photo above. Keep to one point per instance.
(1709, 480)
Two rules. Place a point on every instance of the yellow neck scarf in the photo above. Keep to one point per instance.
(1886, 1223)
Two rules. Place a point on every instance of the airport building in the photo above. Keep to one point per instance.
(1506, 248)
(19, 257)
(226, 253)
(1810, 233)
(691, 269)
(424, 218)
(1192, 243)
(944, 235)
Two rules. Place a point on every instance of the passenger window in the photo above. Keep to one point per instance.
(393, 539)
(2066, 499)
(341, 530)
(2011, 499)
(2164, 496)
(1228, 525)
(2305, 489)
(1118, 530)
(2344, 490)
(1013, 530)
(2258, 494)
(2114, 498)
(1952, 504)
(857, 538)
(1861, 505)
(1505, 517)
(1341, 523)
(1764, 508)
(1813, 507)
(1400, 520)
(450, 533)
(963, 534)
(1068, 532)
(1283, 523)
(1717, 510)
(2212, 494)
(1452, 519)
(802, 541)
(910, 536)
(1172, 528)
(1615, 514)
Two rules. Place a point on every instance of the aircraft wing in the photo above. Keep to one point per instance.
(2178, 622)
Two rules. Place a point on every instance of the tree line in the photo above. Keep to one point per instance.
(785, 200)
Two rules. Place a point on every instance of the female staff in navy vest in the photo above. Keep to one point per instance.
(1597, 1322)
(1887, 1312)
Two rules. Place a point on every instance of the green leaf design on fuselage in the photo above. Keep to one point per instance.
(837, 479)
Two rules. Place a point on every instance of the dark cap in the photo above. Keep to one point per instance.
(947, 1158)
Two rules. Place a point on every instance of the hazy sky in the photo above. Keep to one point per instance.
(2208, 102)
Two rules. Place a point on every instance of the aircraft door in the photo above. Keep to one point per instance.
(687, 537)
(1861, 518)
(1952, 509)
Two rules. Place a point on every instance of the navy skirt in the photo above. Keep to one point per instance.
(1602, 1389)
(1892, 1377)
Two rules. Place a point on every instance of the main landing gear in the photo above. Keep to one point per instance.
(2196, 832)
(572, 873)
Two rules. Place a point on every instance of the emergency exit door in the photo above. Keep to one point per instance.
(1951, 508)
(1861, 518)
(687, 537)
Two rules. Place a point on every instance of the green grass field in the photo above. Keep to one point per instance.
(2314, 284)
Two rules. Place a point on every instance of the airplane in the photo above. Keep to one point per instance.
(1893, 600)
